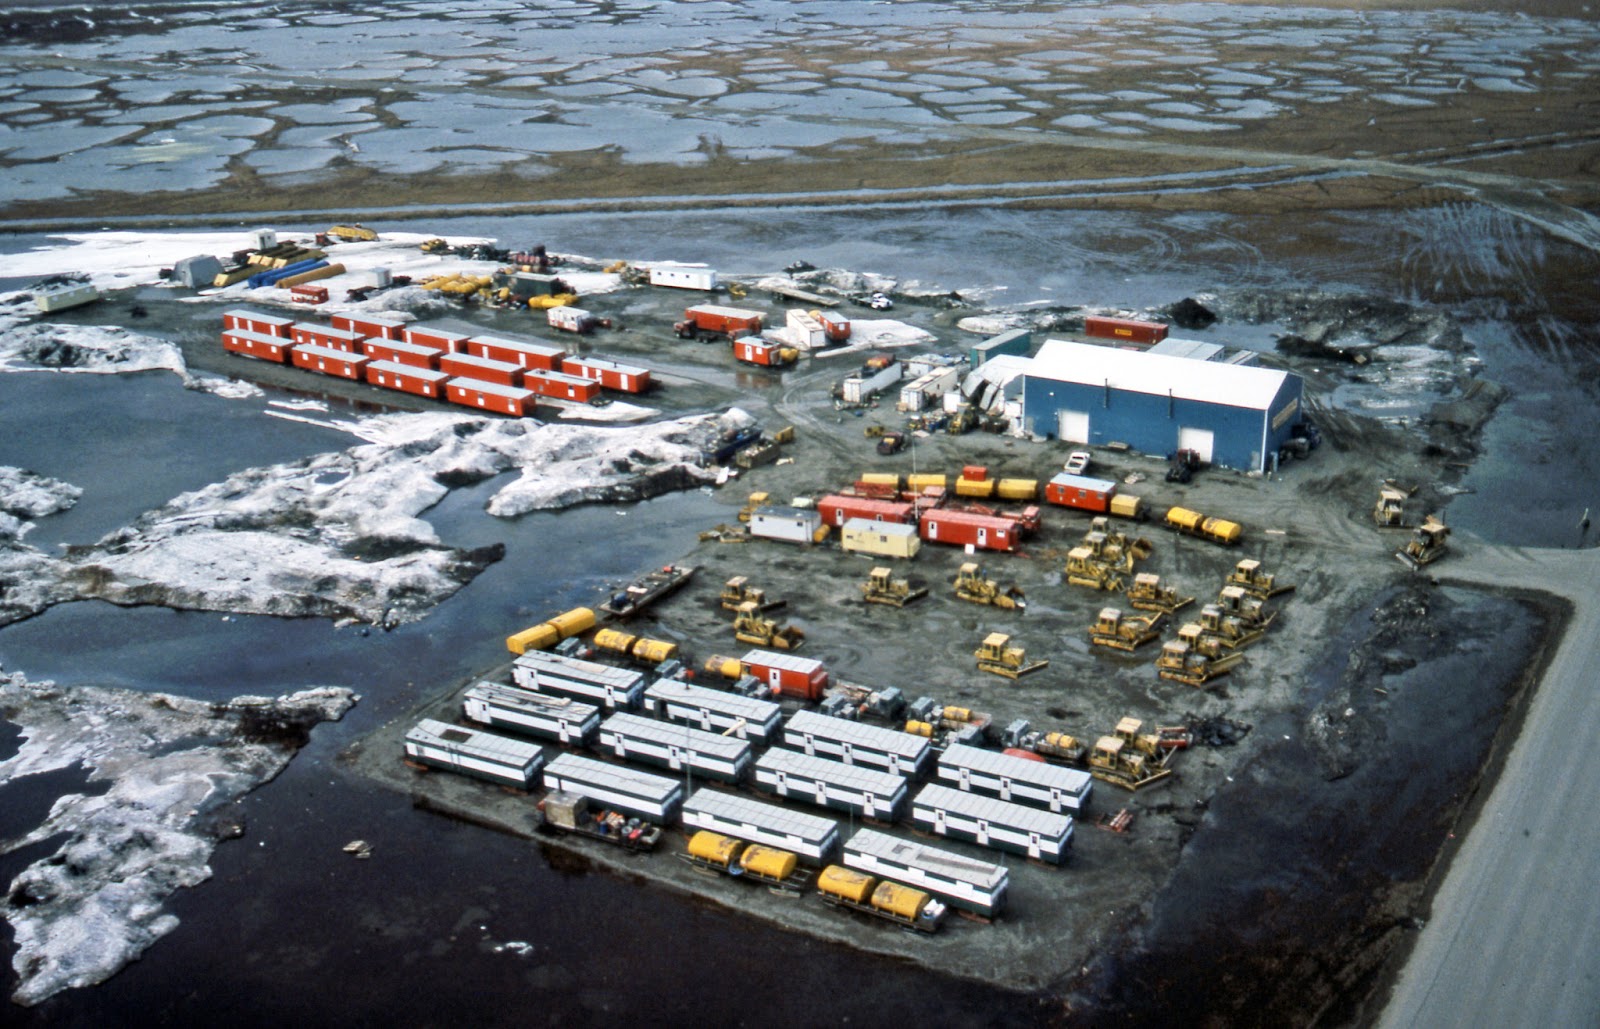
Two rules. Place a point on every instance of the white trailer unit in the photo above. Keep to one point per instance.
(817, 780)
(678, 747)
(651, 797)
(992, 823)
(814, 840)
(1016, 779)
(683, 276)
(791, 524)
(966, 883)
(531, 714)
(471, 752)
(745, 718)
(855, 744)
(863, 386)
(583, 680)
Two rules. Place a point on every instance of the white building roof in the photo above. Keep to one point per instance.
(1136, 372)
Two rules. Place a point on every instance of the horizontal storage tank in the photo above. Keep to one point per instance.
(967, 883)
(525, 713)
(424, 382)
(652, 797)
(813, 839)
(1053, 787)
(677, 747)
(997, 824)
(483, 755)
(259, 345)
(588, 681)
(858, 789)
(856, 744)
(711, 710)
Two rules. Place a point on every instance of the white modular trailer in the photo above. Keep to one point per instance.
(583, 680)
(992, 823)
(531, 714)
(742, 717)
(855, 744)
(966, 883)
(1016, 779)
(817, 780)
(678, 747)
(814, 840)
(652, 797)
(472, 752)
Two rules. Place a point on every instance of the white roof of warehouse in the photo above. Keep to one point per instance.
(1157, 374)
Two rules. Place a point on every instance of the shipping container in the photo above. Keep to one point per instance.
(813, 839)
(683, 276)
(588, 681)
(482, 369)
(560, 386)
(1126, 329)
(531, 714)
(881, 539)
(788, 675)
(347, 340)
(483, 755)
(401, 352)
(962, 528)
(523, 353)
(424, 382)
(256, 344)
(855, 744)
(742, 717)
(490, 396)
(992, 823)
(1054, 787)
(655, 798)
(624, 378)
(252, 321)
(790, 524)
(680, 748)
(439, 337)
(371, 325)
(967, 883)
(863, 791)
(836, 509)
(1081, 492)
(329, 361)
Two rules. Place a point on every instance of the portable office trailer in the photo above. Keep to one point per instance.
(745, 718)
(857, 744)
(520, 352)
(329, 361)
(966, 883)
(652, 797)
(787, 674)
(836, 509)
(560, 385)
(531, 714)
(625, 378)
(471, 752)
(834, 784)
(256, 344)
(371, 326)
(347, 340)
(882, 539)
(814, 840)
(961, 528)
(791, 524)
(424, 382)
(678, 747)
(585, 680)
(490, 396)
(252, 321)
(450, 341)
(992, 823)
(683, 276)
(483, 369)
(1058, 788)
(401, 352)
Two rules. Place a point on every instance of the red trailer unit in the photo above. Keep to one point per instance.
(1124, 329)
(561, 386)
(960, 528)
(258, 345)
(347, 340)
(250, 321)
(371, 326)
(1081, 492)
(424, 382)
(716, 320)
(448, 340)
(490, 396)
(329, 361)
(837, 509)
(489, 370)
(788, 675)
(401, 352)
(624, 378)
(522, 353)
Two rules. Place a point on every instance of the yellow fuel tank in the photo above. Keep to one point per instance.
(615, 640)
(838, 881)
(916, 728)
(653, 651)
(727, 667)
(918, 483)
(714, 848)
(536, 637)
(571, 623)
(1019, 489)
(768, 861)
(899, 900)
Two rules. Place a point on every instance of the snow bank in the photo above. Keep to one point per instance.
(173, 764)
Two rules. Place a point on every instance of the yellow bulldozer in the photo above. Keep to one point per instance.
(737, 592)
(882, 588)
(1148, 594)
(996, 655)
(1084, 570)
(1427, 543)
(750, 627)
(971, 585)
(1248, 576)
(1182, 661)
(1124, 632)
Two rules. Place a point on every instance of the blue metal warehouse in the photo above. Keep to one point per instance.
(1232, 415)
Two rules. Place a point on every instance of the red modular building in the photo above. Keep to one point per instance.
(959, 528)
(329, 361)
(489, 370)
(251, 321)
(788, 675)
(1124, 329)
(448, 340)
(371, 326)
(424, 382)
(837, 509)
(489, 396)
(1081, 492)
(561, 386)
(347, 340)
(625, 378)
(522, 353)
(256, 344)
(401, 352)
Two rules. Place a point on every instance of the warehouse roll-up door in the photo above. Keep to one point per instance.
(1072, 426)
(1200, 441)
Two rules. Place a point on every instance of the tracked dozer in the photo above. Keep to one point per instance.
(750, 627)
(1147, 594)
(1427, 543)
(995, 654)
(1181, 662)
(882, 588)
(1124, 632)
(1252, 611)
(1248, 576)
(1230, 631)
(1084, 570)
(737, 592)
(971, 585)
(1118, 762)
